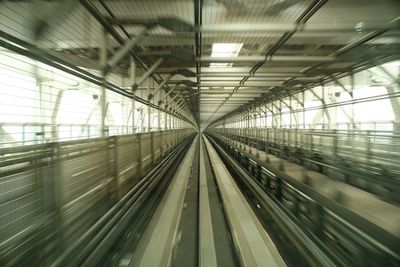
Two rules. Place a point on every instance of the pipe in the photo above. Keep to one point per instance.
(288, 27)
(261, 58)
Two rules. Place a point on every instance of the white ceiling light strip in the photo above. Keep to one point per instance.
(224, 50)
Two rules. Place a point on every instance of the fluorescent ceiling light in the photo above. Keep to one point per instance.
(224, 50)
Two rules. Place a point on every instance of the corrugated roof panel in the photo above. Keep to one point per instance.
(329, 38)
(252, 11)
(357, 11)
(182, 9)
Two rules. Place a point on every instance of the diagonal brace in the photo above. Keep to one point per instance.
(148, 73)
(160, 86)
(124, 50)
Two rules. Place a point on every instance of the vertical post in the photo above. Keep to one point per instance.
(352, 105)
(161, 145)
(42, 112)
(132, 81)
(290, 111)
(57, 197)
(368, 144)
(142, 127)
(335, 144)
(158, 120)
(148, 107)
(273, 118)
(24, 134)
(246, 125)
(254, 113)
(54, 129)
(140, 156)
(115, 194)
(103, 61)
(304, 112)
(152, 150)
(324, 107)
(148, 119)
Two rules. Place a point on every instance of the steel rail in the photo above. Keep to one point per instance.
(385, 240)
(311, 252)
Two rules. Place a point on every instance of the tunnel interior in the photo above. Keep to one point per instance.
(199, 133)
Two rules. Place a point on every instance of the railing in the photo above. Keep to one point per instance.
(17, 134)
(366, 159)
(366, 146)
(50, 194)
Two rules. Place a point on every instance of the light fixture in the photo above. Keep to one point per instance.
(225, 50)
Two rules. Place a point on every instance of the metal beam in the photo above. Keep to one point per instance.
(301, 20)
(276, 106)
(257, 74)
(172, 100)
(147, 74)
(188, 83)
(394, 101)
(24, 48)
(288, 106)
(158, 88)
(170, 23)
(324, 110)
(360, 41)
(295, 98)
(262, 58)
(289, 27)
(246, 84)
(110, 29)
(388, 74)
(124, 50)
(246, 70)
(337, 82)
(168, 93)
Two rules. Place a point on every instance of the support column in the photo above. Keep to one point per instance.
(394, 101)
(41, 113)
(159, 120)
(103, 61)
(103, 112)
(148, 108)
(325, 109)
(152, 149)
(148, 118)
(352, 104)
(132, 82)
(54, 130)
